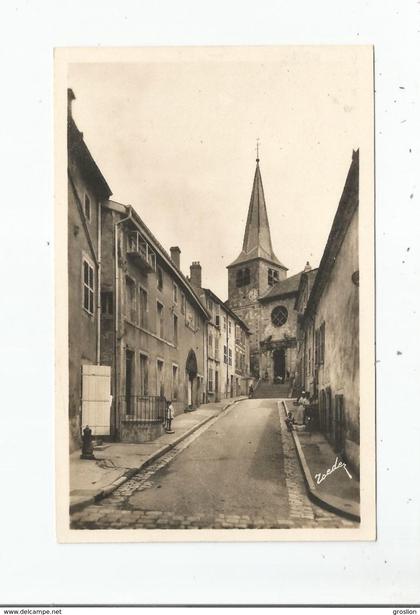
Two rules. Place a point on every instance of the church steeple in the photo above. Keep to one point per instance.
(257, 238)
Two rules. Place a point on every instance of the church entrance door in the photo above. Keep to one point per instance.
(279, 364)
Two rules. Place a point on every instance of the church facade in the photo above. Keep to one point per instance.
(263, 296)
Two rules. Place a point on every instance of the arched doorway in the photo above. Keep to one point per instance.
(279, 364)
(191, 369)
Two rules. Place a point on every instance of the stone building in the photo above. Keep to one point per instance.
(328, 308)
(227, 345)
(154, 327)
(137, 328)
(87, 190)
(303, 380)
(278, 325)
(262, 295)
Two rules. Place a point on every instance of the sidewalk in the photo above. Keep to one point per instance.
(116, 462)
(336, 491)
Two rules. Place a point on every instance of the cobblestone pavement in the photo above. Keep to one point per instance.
(134, 504)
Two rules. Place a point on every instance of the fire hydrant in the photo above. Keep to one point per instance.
(87, 446)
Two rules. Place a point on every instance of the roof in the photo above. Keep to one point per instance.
(309, 277)
(164, 255)
(289, 286)
(79, 151)
(349, 203)
(257, 238)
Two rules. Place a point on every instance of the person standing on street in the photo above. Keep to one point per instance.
(170, 415)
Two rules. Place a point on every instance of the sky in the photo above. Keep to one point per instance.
(174, 133)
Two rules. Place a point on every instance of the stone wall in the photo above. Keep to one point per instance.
(136, 431)
(276, 337)
(339, 309)
(82, 325)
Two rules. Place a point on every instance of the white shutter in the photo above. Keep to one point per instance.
(96, 399)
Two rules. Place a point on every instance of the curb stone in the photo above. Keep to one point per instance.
(333, 504)
(105, 491)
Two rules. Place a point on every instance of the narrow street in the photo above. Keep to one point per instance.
(239, 470)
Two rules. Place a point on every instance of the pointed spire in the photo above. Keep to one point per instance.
(257, 238)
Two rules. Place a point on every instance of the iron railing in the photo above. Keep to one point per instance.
(137, 245)
(142, 408)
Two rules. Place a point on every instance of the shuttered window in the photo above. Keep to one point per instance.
(96, 399)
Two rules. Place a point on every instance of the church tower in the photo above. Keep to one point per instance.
(255, 270)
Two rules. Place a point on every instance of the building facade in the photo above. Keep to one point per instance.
(262, 295)
(328, 307)
(278, 325)
(154, 335)
(87, 190)
(228, 345)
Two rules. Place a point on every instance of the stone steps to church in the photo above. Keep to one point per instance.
(270, 391)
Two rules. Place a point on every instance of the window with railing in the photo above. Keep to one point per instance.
(137, 246)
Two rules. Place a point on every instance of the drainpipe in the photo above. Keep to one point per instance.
(98, 294)
(227, 356)
(116, 309)
(205, 359)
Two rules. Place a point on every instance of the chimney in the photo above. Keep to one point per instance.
(307, 267)
(175, 256)
(195, 274)
(70, 98)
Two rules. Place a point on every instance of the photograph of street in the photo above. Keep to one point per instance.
(215, 216)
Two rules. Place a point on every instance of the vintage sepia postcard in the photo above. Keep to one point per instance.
(214, 246)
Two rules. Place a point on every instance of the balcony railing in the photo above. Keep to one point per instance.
(142, 408)
(140, 251)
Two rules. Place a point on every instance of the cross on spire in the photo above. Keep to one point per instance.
(257, 238)
(258, 149)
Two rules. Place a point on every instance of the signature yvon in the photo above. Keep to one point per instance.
(337, 464)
